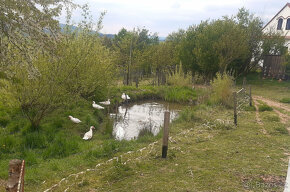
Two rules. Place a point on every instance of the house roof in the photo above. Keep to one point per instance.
(287, 4)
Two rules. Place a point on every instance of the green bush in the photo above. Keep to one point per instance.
(62, 146)
(285, 100)
(222, 90)
(265, 107)
(179, 78)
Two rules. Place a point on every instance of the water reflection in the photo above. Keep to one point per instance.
(132, 118)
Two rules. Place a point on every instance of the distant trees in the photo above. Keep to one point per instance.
(131, 47)
(228, 45)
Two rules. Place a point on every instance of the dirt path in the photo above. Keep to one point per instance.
(258, 118)
(272, 103)
(283, 117)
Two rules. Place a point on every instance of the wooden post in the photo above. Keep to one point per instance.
(235, 108)
(250, 93)
(165, 134)
(244, 82)
(137, 82)
(16, 176)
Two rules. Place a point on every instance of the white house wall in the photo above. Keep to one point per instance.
(272, 26)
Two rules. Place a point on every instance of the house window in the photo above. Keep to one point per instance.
(288, 24)
(279, 26)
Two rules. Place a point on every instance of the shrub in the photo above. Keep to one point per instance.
(285, 100)
(62, 146)
(177, 94)
(265, 107)
(222, 89)
(179, 78)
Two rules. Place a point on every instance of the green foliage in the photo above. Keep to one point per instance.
(227, 45)
(265, 107)
(249, 108)
(285, 100)
(8, 144)
(4, 118)
(178, 78)
(30, 157)
(34, 140)
(62, 146)
(222, 90)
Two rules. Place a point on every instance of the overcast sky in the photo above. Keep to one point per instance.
(166, 16)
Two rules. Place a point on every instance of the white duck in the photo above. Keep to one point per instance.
(105, 102)
(125, 97)
(120, 133)
(73, 119)
(96, 106)
(88, 135)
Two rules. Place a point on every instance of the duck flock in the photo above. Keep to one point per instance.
(88, 135)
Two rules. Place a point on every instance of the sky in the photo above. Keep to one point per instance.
(167, 16)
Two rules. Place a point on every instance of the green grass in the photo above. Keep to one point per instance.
(265, 107)
(268, 88)
(285, 100)
(203, 155)
(57, 148)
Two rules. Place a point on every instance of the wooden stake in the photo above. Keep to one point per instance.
(165, 134)
(16, 176)
(250, 93)
(235, 108)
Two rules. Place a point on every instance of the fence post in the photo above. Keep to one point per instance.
(244, 82)
(16, 176)
(165, 134)
(250, 93)
(235, 108)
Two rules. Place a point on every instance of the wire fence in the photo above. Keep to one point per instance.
(242, 98)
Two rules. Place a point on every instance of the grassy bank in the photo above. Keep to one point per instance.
(206, 153)
(268, 88)
(57, 149)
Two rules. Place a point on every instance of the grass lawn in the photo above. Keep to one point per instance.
(268, 88)
(206, 153)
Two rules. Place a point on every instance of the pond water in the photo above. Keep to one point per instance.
(132, 118)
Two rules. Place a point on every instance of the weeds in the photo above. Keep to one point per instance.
(285, 100)
(265, 107)
(179, 78)
(222, 90)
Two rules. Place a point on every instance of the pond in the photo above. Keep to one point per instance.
(148, 116)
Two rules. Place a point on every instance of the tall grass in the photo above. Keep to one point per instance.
(222, 90)
(179, 78)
